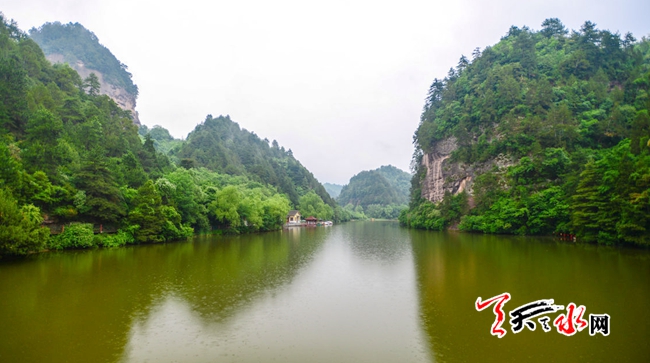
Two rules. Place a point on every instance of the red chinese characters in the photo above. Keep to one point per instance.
(568, 323)
(498, 311)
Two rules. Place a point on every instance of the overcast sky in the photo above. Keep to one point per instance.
(341, 83)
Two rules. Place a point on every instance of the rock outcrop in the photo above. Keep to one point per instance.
(124, 99)
(443, 176)
(433, 185)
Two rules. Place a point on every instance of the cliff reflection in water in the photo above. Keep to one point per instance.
(454, 269)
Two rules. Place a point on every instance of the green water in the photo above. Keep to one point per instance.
(358, 292)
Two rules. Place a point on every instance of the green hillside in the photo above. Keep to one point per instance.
(72, 160)
(163, 141)
(219, 144)
(381, 193)
(77, 43)
(567, 115)
(398, 179)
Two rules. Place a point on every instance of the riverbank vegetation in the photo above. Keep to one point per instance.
(569, 111)
(73, 161)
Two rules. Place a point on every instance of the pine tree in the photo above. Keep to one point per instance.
(147, 214)
(587, 203)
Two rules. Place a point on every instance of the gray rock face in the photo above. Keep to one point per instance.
(433, 185)
(124, 99)
(454, 177)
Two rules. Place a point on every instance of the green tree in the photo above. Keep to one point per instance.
(147, 214)
(41, 143)
(312, 205)
(275, 210)
(20, 227)
(13, 88)
(553, 27)
(587, 203)
(92, 84)
(103, 202)
(224, 207)
(188, 199)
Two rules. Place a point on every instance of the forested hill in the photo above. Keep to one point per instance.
(544, 132)
(397, 178)
(373, 190)
(79, 47)
(72, 160)
(219, 144)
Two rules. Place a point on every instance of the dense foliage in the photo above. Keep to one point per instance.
(163, 141)
(77, 43)
(73, 160)
(571, 113)
(219, 144)
(380, 193)
(398, 179)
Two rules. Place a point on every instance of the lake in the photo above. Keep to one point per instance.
(356, 292)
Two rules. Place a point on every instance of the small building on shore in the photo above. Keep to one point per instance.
(293, 217)
(311, 221)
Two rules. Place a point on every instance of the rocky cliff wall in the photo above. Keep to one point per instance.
(124, 99)
(443, 176)
(433, 185)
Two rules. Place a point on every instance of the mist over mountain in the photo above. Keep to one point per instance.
(333, 189)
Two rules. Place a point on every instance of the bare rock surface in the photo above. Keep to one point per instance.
(124, 99)
(444, 176)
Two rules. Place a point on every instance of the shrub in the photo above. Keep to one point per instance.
(75, 235)
(121, 238)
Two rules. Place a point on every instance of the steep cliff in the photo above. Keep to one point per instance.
(80, 48)
(435, 182)
(120, 95)
(444, 175)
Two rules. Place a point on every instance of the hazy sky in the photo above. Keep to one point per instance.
(341, 83)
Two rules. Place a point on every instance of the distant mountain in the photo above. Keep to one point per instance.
(333, 189)
(80, 48)
(398, 179)
(219, 144)
(163, 141)
(381, 187)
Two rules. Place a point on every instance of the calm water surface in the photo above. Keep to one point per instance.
(357, 292)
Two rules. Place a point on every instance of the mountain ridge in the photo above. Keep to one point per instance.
(80, 48)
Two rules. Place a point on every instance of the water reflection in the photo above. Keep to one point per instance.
(81, 305)
(359, 292)
(382, 241)
(317, 295)
(336, 308)
(454, 269)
